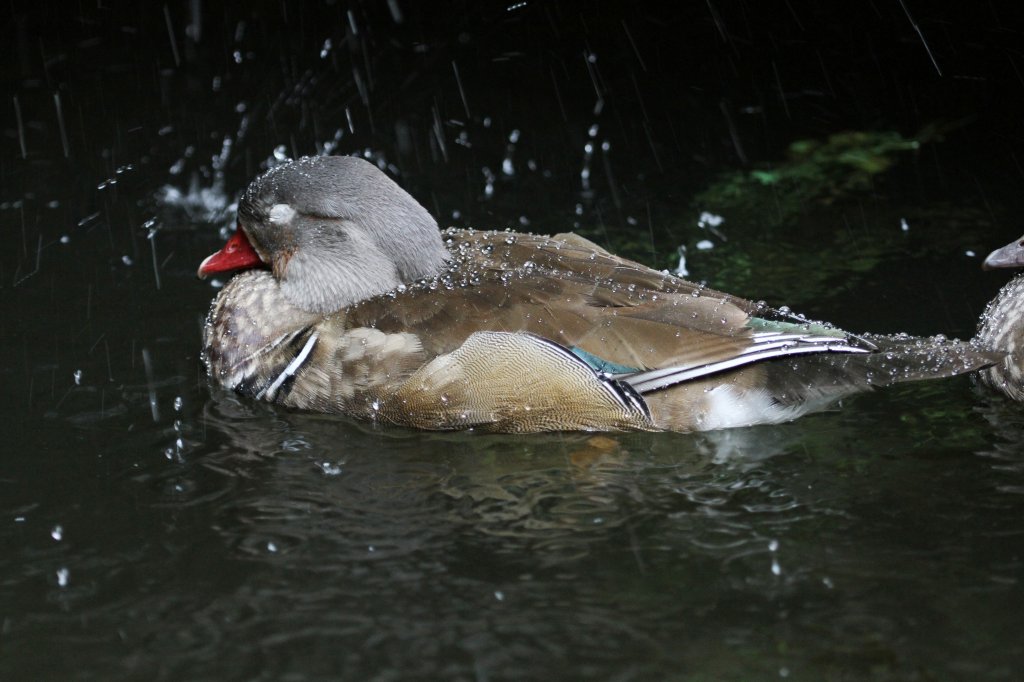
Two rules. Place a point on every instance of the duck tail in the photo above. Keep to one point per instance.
(901, 357)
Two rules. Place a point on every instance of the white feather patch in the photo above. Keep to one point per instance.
(292, 367)
(725, 407)
(281, 214)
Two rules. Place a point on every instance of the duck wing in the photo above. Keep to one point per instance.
(514, 382)
(623, 316)
(526, 333)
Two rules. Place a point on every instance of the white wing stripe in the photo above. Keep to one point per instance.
(271, 391)
(645, 382)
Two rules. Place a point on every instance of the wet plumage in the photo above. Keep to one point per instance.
(361, 306)
(1002, 325)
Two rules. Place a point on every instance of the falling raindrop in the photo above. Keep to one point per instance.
(330, 469)
(21, 127)
(681, 270)
(78, 377)
(396, 11)
(147, 363)
(57, 533)
(489, 182)
(151, 226)
(88, 219)
(588, 154)
(920, 34)
(462, 93)
(170, 34)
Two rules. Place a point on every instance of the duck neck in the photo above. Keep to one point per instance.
(325, 281)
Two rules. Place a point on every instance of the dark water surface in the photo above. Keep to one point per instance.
(155, 529)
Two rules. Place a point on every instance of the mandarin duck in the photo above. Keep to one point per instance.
(352, 301)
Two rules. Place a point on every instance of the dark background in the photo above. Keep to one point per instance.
(678, 94)
(156, 529)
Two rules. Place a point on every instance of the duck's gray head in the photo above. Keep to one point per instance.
(335, 230)
(1009, 256)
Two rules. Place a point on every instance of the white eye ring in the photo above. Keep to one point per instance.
(281, 213)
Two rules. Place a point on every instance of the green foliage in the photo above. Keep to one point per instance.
(814, 172)
(809, 227)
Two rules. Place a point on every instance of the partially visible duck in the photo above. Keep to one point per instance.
(353, 302)
(1002, 325)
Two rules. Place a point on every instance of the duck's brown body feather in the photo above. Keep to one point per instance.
(487, 345)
